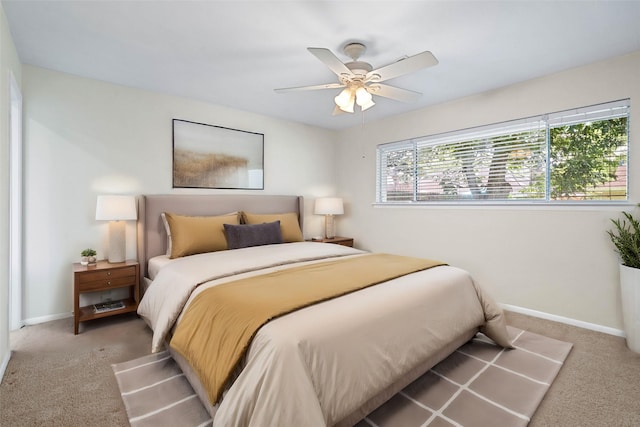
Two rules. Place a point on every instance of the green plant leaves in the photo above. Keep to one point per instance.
(626, 238)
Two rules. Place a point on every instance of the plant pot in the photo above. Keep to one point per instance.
(84, 260)
(630, 292)
(92, 260)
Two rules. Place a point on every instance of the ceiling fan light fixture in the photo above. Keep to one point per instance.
(363, 97)
(345, 100)
(343, 97)
(348, 108)
(367, 105)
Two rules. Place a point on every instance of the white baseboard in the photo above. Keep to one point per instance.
(5, 362)
(48, 318)
(565, 320)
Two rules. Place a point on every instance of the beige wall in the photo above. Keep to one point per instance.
(555, 260)
(9, 65)
(84, 137)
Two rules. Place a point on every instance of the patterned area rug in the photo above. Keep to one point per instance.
(480, 385)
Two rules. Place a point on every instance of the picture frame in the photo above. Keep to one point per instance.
(210, 156)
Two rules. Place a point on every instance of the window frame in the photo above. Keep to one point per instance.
(551, 120)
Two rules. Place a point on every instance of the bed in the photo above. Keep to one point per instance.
(330, 362)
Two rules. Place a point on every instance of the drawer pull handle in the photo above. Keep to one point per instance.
(109, 282)
(108, 273)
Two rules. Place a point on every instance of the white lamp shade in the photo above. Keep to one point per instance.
(329, 206)
(367, 105)
(116, 208)
(345, 100)
(363, 97)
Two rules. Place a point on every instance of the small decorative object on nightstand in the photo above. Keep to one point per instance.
(344, 241)
(104, 276)
(88, 256)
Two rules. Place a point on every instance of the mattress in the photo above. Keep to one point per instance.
(155, 264)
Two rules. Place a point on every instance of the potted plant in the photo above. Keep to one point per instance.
(88, 256)
(626, 238)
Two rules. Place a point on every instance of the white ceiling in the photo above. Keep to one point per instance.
(235, 53)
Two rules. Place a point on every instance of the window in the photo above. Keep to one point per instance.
(574, 155)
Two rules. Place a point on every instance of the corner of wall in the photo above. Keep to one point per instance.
(3, 365)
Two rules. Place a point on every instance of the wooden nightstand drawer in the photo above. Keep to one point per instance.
(108, 283)
(104, 275)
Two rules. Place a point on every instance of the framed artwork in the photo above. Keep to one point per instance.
(208, 156)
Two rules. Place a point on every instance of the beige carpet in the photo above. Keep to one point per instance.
(56, 378)
(480, 384)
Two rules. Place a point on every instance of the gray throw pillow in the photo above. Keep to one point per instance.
(245, 235)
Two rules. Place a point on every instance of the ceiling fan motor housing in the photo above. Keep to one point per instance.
(354, 50)
(359, 67)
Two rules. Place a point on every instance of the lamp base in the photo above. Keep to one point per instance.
(117, 239)
(329, 227)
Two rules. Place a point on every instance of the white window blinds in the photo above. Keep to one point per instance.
(573, 155)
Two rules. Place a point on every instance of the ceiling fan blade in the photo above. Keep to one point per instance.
(330, 60)
(393, 92)
(314, 87)
(403, 66)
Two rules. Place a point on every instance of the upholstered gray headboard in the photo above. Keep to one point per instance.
(152, 238)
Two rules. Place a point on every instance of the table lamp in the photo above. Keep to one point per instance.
(116, 210)
(329, 206)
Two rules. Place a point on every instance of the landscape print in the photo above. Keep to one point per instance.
(208, 156)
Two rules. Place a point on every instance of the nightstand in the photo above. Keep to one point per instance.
(104, 276)
(344, 241)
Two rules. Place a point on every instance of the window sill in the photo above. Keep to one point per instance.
(587, 205)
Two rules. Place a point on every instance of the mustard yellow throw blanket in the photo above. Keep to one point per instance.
(217, 328)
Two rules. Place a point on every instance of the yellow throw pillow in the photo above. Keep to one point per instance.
(198, 234)
(289, 224)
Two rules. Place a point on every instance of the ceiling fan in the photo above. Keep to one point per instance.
(360, 81)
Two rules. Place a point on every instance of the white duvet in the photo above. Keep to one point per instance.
(319, 365)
